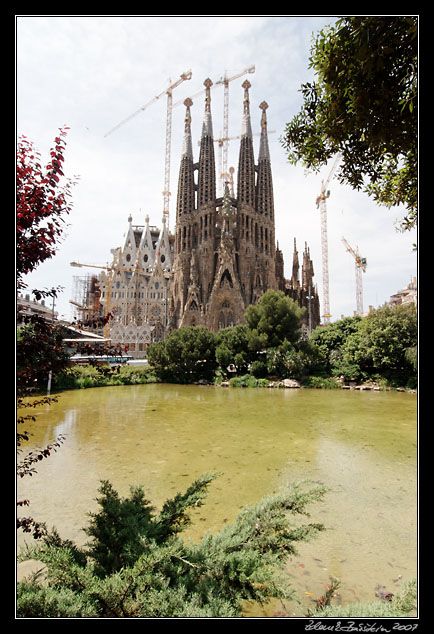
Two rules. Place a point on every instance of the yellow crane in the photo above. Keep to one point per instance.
(168, 91)
(107, 304)
(361, 264)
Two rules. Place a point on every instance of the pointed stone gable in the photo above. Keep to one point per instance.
(163, 252)
(146, 249)
(129, 251)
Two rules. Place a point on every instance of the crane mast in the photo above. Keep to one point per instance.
(360, 264)
(321, 205)
(169, 93)
(225, 81)
(224, 140)
(224, 173)
(166, 191)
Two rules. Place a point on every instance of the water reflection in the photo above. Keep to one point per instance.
(361, 445)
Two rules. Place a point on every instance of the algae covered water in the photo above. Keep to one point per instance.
(362, 445)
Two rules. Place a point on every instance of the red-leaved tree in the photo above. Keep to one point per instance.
(43, 201)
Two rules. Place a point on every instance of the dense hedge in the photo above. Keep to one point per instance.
(89, 376)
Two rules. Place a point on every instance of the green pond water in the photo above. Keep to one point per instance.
(363, 445)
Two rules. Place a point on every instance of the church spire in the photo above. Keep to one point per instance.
(295, 268)
(246, 163)
(307, 271)
(146, 248)
(264, 152)
(246, 127)
(264, 188)
(206, 182)
(207, 121)
(185, 200)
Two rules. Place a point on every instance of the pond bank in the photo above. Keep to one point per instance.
(88, 376)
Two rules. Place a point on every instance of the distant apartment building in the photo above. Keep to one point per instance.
(407, 295)
(26, 306)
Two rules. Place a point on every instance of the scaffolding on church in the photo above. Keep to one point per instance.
(86, 297)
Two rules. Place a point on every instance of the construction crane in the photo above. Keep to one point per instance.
(223, 81)
(107, 292)
(321, 205)
(361, 264)
(224, 174)
(169, 93)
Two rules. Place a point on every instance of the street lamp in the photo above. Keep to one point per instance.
(50, 373)
(310, 298)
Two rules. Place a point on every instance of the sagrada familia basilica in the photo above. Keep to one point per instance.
(222, 256)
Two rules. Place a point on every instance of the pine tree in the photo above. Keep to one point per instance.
(137, 566)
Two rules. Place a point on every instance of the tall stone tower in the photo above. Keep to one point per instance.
(225, 256)
(304, 292)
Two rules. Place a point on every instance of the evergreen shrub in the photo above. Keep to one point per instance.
(137, 566)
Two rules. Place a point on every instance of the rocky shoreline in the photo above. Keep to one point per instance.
(376, 388)
(293, 384)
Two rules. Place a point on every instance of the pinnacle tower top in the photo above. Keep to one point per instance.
(187, 149)
(264, 152)
(207, 122)
(246, 128)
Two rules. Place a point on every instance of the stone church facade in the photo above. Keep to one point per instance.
(135, 289)
(225, 254)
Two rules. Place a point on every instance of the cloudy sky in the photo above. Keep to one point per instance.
(92, 72)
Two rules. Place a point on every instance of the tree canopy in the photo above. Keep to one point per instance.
(363, 106)
(186, 355)
(384, 341)
(43, 200)
(382, 344)
(232, 348)
(275, 319)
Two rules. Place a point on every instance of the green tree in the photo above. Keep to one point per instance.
(349, 361)
(274, 320)
(328, 342)
(364, 107)
(381, 345)
(294, 361)
(232, 348)
(385, 343)
(137, 566)
(39, 350)
(187, 355)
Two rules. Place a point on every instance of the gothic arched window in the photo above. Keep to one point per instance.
(226, 277)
